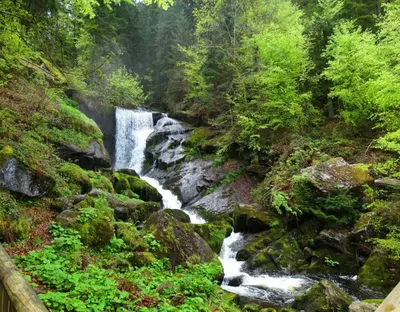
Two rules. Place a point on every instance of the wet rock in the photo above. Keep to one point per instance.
(337, 174)
(388, 184)
(236, 281)
(213, 233)
(324, 296)
(129, 185)
(332, 239)
(156, 117)
(179, 215)
(380, 273)
(283, 254)
(17, 177)
(179, 242)
(130, 172)
(252, 219)
(363, 307)
(92, 157)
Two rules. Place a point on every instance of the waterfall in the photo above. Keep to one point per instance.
(133, 129)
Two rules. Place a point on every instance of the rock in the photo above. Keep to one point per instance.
(101, 182)
(142, 258)
(236, 281)
(332, 239)
(388, 184)
(90, 158)
(324, 296)
(142, 211)
(337, 174)
(380, 273)
(128, 184)
(17, 177)
(251, 219)
(363, 307)
(60, 204)
(179, 215)
(121, 214)
(283, 254)
(77, 177)
(156, 117)
(131, 237)
(130, 172)
(213, 233)
(179, 242)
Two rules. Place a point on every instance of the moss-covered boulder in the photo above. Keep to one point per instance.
(142, 258)
(77, 178)
(131, 236)
(284, 254)
(324, 296)
(20, 228)
(142, 211)
(101, 182)
(16, 176)
(380, 273)
(337, 174)
(259, 242)
(179, 215)
(213, 233)
(178, 241)
(127, 184)
(252, 219)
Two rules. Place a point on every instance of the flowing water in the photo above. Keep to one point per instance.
(133, 129)
(279, 289)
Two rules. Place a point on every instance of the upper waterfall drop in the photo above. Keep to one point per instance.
(132, 130)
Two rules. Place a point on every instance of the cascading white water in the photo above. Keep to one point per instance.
(263, 287)
(133, 129)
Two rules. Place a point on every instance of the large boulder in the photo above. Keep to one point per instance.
(92, 157)
(213, 233)
(324, 296)
(380, 273)
(77, 178)
(337, 174)
(253, 219)
(178, 241)
(179, 215)
(130, 185)
(18, 177)
(284, 255)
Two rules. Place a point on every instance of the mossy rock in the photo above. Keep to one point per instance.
(77, 177)
(142, 258)
(178, 241)
(213, 233)
(101, 182)
(324, 296)
(142, 211)
(124, 183)
(95, 233)
(259, 242)
(20, 227)
(380, 273)
(179, 215)
(131, 236)
(252, 219)
(283, 254)
(202, 140)
(5, 153)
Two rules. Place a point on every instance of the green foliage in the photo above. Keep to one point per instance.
(331, 262)
(391, 243)
(124, 90)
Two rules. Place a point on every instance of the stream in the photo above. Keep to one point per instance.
(133, 127)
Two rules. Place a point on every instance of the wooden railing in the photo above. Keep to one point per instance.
(392, 301)
(16, 295)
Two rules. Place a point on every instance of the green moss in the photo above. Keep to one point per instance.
(379, 273)
(360, 173)
(143, 258)
(127, 184)
(101, 182)
(378, 301)
(213, 233)
(20, 228)
(78, 179)
(143, 210)
(131, 237)
(5, 153)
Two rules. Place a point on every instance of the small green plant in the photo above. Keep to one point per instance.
(153, 243)
(331, 262)
(86, 214)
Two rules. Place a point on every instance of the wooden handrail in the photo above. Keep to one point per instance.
(392, 301)
(21, 295)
